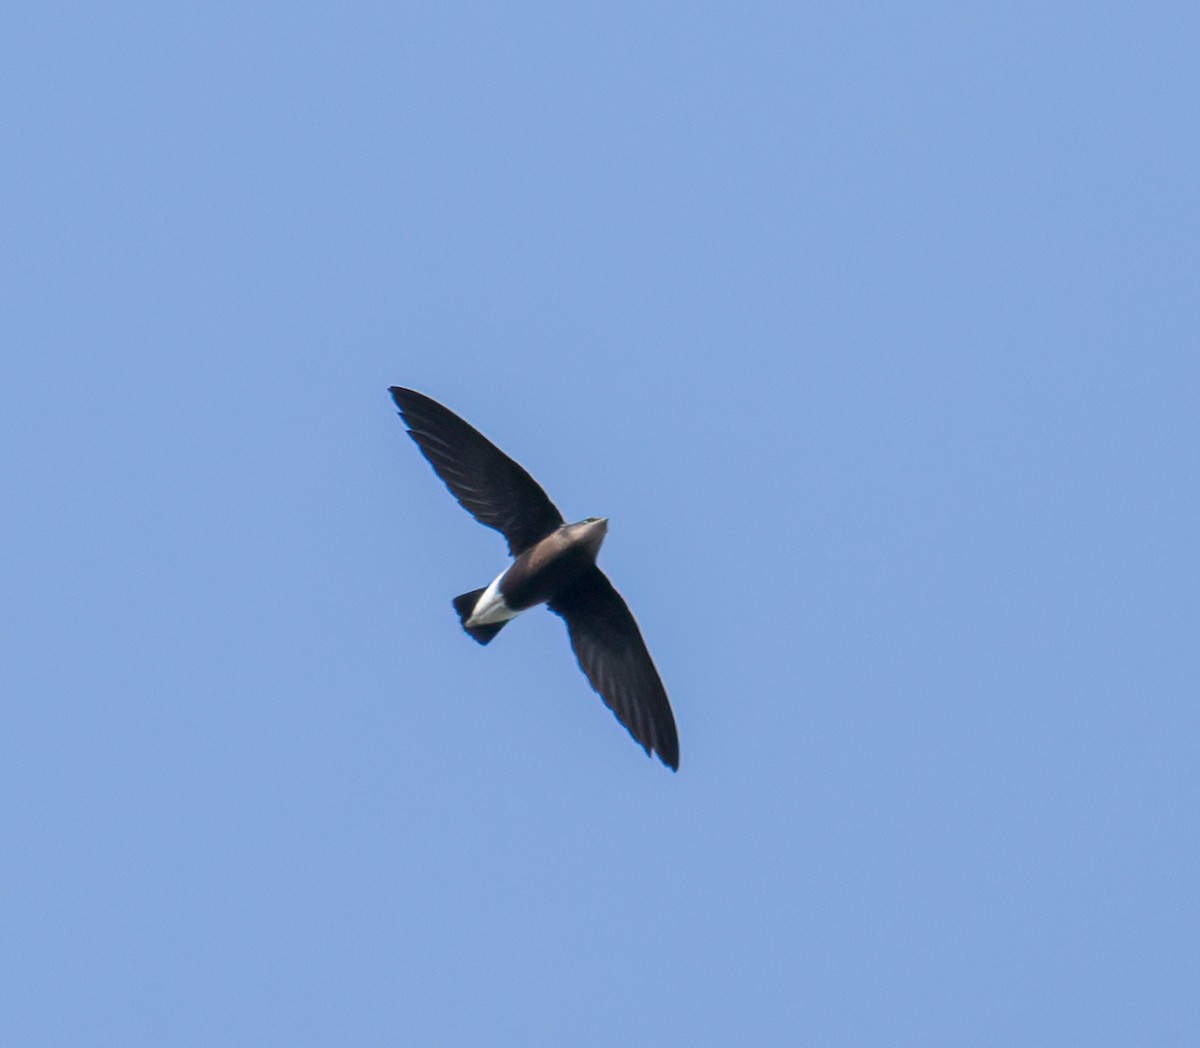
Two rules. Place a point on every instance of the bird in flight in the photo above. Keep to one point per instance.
(554, 564)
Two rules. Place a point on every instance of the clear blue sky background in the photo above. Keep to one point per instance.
(872, 328)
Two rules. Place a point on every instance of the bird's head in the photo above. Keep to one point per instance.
(589, 533)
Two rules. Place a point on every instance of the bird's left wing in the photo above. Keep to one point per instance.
(611, 652)
(489, 485)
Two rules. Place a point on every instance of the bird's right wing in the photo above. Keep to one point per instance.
(489, 485)
(611, 652)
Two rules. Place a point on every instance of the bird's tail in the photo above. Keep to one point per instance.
(464, 604)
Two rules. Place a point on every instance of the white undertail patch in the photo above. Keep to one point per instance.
(490, 608)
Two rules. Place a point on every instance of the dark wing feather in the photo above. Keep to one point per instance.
(489, 485)
(611, 652)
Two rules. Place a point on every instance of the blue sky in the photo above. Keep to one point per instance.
(871, 328)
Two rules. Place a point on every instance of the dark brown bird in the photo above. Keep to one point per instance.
(555, 565)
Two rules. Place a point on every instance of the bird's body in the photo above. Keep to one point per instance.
(539, 573)
(554, 564)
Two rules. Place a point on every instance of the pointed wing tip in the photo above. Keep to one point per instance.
(669, 756)
(400, 395)
(409, 399)
(667, 752)
(403, 399)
